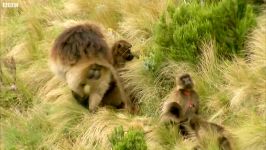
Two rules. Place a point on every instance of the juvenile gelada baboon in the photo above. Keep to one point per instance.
(186, 96)
(82, 57)
(183, 102)
(121, 51)
(181, 109)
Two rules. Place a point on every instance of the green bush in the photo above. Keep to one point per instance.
(180, 31)
(133, 139)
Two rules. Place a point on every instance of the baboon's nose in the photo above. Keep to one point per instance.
(129, 57)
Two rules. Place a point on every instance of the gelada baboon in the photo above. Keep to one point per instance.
(186, 96)
(121, 51)
(183, 102)
(194, 125)
(82, 57)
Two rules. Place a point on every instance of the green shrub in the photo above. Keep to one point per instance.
(133, 139)
(181, 30)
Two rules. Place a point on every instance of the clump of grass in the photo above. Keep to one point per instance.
(251, 133)
(140, 84)
(139, 18)
(23, 131)
(246, 80)
(13, 92)
(102, 11)
(133, 139)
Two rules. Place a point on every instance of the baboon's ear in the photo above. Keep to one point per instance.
(175, 110)
(195, 123)
(224, 143)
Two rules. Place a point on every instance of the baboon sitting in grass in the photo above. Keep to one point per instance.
(82, 57)
(195, 126)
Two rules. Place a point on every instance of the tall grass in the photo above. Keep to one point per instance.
(42, 114)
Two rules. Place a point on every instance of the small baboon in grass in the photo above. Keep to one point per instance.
(194, 125)
(121, 51)
(82, 57)
(186, 96)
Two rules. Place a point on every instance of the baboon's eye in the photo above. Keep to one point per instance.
(119, 45)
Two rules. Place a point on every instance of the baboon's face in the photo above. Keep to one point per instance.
(186, 82)
(124, 50)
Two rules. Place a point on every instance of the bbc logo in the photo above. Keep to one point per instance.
(9, 5)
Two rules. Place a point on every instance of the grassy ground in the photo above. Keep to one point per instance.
(40, 112)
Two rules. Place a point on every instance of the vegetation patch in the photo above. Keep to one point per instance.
(133, 139)
(181, 30)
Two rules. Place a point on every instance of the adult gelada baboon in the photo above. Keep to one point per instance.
(82, 57)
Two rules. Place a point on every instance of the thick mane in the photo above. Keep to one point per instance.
(80, 41)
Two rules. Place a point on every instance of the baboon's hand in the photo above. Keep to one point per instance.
(93, 110)
(94, 101)
(94, 72)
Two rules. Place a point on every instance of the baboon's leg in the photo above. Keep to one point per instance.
(113, 97)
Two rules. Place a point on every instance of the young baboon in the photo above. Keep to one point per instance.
(183, 102)
(121, 51)
(186, 96)
(82, 57)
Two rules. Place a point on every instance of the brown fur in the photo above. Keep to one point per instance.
(84, 40)
(81, 56)
(186, 96)
(175, 111)
(194, 125)
(121, 51)
(202, 128)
